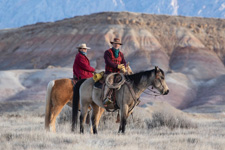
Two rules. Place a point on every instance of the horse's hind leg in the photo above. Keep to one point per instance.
(95, 117)
(123, 118)
(54, 113)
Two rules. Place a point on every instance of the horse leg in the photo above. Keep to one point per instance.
(56, 107)
(83, 115)
(100, 113)
(118, 117)
(123, 118)
(95, 117)
(54, 113)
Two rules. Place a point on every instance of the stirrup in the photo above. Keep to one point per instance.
(107, 101)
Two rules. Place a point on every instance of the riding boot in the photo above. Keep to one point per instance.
(107, 96)
(107, 92)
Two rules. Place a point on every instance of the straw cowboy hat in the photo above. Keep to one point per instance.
(83, 45)
(117, 41)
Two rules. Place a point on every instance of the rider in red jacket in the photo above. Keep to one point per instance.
(81, 66)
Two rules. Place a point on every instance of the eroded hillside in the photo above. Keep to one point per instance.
(190, 50)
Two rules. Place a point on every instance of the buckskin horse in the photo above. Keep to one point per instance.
(126, 97)
(59, 93)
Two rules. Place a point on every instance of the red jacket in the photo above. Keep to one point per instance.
(111, 62)
(82, 68)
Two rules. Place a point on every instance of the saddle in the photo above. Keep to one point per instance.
(74, 81)
(98, 84)
(118, 80)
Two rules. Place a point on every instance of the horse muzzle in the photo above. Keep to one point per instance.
(166, 92)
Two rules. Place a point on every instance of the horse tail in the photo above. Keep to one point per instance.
(48, 104)
(75, 107)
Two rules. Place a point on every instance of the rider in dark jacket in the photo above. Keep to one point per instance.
(114, 62)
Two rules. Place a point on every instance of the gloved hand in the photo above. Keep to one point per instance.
(98, 76)
(124, 70)
(120, 66)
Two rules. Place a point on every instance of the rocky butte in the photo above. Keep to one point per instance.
(190, 50)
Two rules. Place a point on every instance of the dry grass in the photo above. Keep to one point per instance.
(25, 130)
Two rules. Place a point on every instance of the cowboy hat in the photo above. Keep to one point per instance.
(116, 41)
(83, 45)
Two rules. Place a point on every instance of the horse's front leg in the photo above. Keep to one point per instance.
(83, 115)
(95, 117)
(123, 118)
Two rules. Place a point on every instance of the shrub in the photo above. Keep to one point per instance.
(160, 119)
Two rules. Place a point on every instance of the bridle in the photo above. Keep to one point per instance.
(151, 90)
(136, 100)
(133, 95)
(154, 92)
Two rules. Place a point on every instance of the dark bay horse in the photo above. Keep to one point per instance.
(125, 98)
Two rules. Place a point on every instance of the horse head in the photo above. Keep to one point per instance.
(159, 82)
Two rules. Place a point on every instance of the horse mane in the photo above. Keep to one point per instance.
(136, 77)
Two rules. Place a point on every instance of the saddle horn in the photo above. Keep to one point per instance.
(117, 85)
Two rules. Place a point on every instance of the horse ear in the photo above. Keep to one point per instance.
(156, 70)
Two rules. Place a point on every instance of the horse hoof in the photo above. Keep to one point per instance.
(118, 120)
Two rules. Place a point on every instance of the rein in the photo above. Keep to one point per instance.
(151, 90)
(136, 100)
(156, 93)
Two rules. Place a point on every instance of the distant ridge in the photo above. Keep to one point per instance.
(18, 13)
